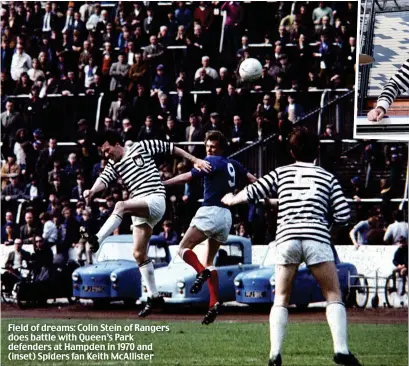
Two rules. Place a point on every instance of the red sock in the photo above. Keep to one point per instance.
(213, 284)
(190, 257)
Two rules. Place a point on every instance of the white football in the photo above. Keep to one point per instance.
(250, 69)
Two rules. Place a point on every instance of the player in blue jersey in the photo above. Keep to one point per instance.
(213, 220)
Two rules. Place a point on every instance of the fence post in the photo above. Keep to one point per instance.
(260, 161)
(319, 126)
(337, 117)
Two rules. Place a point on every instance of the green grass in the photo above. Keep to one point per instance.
(228, 343)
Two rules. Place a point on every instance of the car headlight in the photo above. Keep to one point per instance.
(272, 281)
(113, 277)
(238, 283)
(75, 277)
(180, 284)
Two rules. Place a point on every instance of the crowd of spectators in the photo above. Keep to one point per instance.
(125, 52)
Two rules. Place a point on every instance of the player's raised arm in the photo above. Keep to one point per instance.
(399, 83)
(260, 189)
(157, 147)
(179, 179)
(199, 164)
(108, 175)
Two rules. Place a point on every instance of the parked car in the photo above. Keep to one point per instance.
(115, 275)
(174, 282)
(256, 288)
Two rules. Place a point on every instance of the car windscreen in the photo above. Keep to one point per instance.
(114, 251)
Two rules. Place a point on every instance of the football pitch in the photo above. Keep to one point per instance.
(111, 342)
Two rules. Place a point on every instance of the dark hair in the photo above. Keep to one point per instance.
(304, 145)
(112, 137)
(217, 136)
(398, 215)
(44, 216)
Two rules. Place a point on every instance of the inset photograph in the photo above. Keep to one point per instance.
(383, 81)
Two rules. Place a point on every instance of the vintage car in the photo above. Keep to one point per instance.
(174, 282)
(256, 288)
(115, 275)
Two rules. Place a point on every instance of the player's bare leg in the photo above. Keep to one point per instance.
(193, 237)
(137, 207)
(212, 246)
(327, 277)
(141, 235)
(284, 277)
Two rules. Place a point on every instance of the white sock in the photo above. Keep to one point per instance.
(109, 226)
(278, 324)
(337, 321)
(148, 275)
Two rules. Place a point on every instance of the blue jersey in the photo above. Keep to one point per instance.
(222, 179)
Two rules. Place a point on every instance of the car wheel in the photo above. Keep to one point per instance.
(130, 303)
(349, 298)
(100, 303)
(302, 306)
(261, 308)
(72, 300)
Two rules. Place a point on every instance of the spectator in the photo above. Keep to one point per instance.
(35, 72)
(180, 39)
(23, 85)
(400, 260)
(137, 72)
(119, 74)
(90, 71)
(232, 26)
(265, 82)
(120, 109)
(29, 230)
(172, 131)
(238, 133)
(12, 191)
(153, 52)
(11, 122)
(147, 132)
(359, 233)
(70, 233)
(71, 85)
(169, 234)
(397, 230)
(20, 62)
(203, 82)
(150, 23)
(71, 169)
(209, 70)
(96, 87)
(141, 105)
(160, 82)
(50, 232)
(320, 12)
(9, 221)
(183, 102)
(294, 110)
(163, 36)
(78, 190)
(128, 132)
(203, 14)
(194, 133)
(42, 259)
(32, 191)
(215, 124)
(13, 263)
(9, 169)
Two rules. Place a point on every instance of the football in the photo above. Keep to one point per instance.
(250, 69)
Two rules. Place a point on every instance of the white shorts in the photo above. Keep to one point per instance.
(157, 207)
(309, 251)
(214, 222)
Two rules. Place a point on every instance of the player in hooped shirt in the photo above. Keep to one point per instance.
(213, 220)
